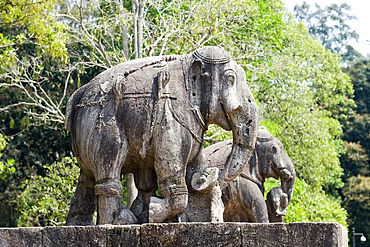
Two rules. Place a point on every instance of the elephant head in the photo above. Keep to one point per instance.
(277, 203)
(274, 162)
(219, 91)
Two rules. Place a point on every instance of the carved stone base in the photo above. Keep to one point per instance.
(182, 234)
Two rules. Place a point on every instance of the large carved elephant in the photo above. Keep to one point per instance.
(243, 198)
(148, 117)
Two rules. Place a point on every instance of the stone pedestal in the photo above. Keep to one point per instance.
(182, 234)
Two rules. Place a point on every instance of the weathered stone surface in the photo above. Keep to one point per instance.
(181, 234)
(160, 234)
(210, 234)
(196, 202)
(191, 234)
(19, 237)
(317, 234)
(148, 116)
(123, 235)
(243, 197)
(264, 235)
(74, 236)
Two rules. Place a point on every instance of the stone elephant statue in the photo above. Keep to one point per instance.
(243, 198)
(148, 117)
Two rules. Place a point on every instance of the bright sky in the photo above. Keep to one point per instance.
(359, 8)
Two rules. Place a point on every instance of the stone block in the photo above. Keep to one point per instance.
(160, 234)
(180, 234)
(128, 235)
(317, 234)
(191, 234)
(264, 235)
(21, 237)
(210, 234)
(82, 236)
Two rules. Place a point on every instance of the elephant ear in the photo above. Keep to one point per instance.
(276, 157)
(194, 80)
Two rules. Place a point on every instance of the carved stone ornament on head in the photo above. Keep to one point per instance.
(148, 117)
(212, 56)
(243, 198)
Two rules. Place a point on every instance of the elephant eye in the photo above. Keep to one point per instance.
(231, 79)
(230, 76)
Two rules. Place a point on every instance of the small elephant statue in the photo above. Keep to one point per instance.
(277, 204)
(243, 198)
(148, 117)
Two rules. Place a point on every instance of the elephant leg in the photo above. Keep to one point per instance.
(253, 201)
(111, 209)
(172, 147)
(111, 155)
(146, 183)
(83, 202)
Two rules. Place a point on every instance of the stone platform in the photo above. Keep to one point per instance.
(182, 234)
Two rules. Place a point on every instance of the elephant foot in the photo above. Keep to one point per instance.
(125, 217)
(110, 201)
(158, 210)
(162, 209)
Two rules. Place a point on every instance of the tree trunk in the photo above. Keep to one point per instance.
(124, 43)
(140, 24)
(134, 21)
(121, 11)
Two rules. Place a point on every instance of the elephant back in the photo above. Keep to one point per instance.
(217, 154)
(134, 74)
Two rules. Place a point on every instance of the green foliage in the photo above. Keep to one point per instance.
(360, 75)
(299, 92)
(215, 134)
(357, 202)
(356, 124)
(30, 21)
(6, 168)
(311, 205)
(355, 160)
(330, 26)
(45, 200)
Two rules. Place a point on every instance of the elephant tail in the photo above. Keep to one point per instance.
(71, 105)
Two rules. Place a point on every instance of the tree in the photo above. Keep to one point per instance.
(45, 199)
(357, 198)
(6, 168)
(330, 26)
(355, 160)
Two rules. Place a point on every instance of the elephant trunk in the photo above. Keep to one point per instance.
(288, 176)
(244, 124)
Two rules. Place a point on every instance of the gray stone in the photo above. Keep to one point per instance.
(148, 117)
(317, 234)
(210, 234)
(243, 198)
(191, 234)
(82, 236)
(264, 235)
(160, 234)
(181, 234)
(123, 235)
(19, 237)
